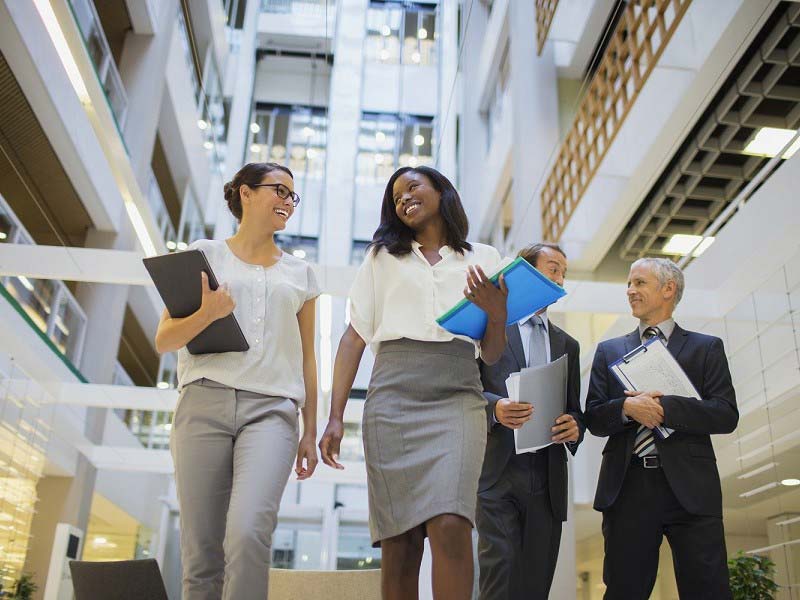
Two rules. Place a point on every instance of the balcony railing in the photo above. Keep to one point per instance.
(305, 8)
(99, 51)
(48, 303)
(641, 36)
(152, 428)
(545, 9)
(156, 201)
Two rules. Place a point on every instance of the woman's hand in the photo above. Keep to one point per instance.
(331, 442)
(217, 303)
(306, 450)
(485, 295)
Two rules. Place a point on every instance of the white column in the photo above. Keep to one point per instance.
(344, 115)
(534, 96)
(143, 67)
(448, 91)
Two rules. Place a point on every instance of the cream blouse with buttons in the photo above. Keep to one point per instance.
(396, 297)
(267, 302)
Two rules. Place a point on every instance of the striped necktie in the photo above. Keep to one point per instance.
(645, 442)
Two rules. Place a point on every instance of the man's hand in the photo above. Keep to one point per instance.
(644, 408)
(512, 414)
(566, 429)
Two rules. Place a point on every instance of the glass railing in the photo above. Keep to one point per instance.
(152, 428)
(99, 51)
(304, 8)
(192, 226)
(48, 303)
(156, 201)
(183, 35)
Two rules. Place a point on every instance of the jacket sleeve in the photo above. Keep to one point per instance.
(603, 414)
(491, 400)
(716, 412)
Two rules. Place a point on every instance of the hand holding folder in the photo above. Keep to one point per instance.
(528, 292)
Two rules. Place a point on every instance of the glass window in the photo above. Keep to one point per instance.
(301, 246)
(355, 549)
(297, 546)
(389, 141)
(398, 33)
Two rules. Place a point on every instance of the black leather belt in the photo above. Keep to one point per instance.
(651, 461)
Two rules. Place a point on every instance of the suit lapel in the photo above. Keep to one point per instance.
(676, 341)
(632, 340)
(515, 341)
(558, 342)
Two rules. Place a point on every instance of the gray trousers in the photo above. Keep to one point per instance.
(233, 453)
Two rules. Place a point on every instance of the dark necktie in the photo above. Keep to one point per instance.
(645, 442)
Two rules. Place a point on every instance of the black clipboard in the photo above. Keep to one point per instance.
(177, 279)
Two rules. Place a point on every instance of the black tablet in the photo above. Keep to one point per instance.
(177, 279)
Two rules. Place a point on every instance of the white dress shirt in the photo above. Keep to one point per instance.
(267, 302)
(396, 297)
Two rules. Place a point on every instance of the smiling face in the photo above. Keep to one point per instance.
(416, 201)
(265, 203)
(650, 301)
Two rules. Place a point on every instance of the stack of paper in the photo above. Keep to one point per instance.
(545, 387)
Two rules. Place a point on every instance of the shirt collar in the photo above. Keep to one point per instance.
(666, 327)
(443, 251)
(527, 323)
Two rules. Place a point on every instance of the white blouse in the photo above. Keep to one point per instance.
(267, 302)
(396, 297)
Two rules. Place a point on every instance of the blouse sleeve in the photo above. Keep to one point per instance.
(312, 286)
(362, 299)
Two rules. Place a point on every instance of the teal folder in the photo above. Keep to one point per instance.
(528, 292)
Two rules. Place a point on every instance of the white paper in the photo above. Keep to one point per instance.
(545, 387)
(655, 370)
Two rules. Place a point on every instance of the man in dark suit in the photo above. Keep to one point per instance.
(522, 498)
(650, 487)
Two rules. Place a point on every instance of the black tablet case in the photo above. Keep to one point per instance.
(177, 279)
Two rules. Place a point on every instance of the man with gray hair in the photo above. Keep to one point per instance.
(649, 486)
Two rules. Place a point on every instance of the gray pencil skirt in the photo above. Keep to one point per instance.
(424, 432)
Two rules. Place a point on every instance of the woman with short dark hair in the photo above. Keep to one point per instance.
(424, 419)
(234, 435)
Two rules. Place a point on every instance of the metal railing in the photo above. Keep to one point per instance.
(643, 32)
(100, 53)
(47, 302)
(305, 8)
(545, 10)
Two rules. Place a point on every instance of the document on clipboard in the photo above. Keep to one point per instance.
(652, 367)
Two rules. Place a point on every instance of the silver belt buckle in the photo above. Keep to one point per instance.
(650, 461)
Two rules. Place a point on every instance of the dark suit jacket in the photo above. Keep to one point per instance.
(500, 441)
(687, 456)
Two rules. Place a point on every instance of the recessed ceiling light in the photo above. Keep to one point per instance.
(380, 136)
(416, 57)
(682, 244)
(3, 235)
(182, 245)
(386, 31)
(422, 33)
(171, 245)
(419, 140)
(770, 140)
(208, 145)
(255, 127)
(791, 482)
(255, 148)
(299, 253)
(759, 489)
(162, 385)
(202, 124)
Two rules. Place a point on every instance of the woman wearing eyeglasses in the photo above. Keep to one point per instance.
(235, 430)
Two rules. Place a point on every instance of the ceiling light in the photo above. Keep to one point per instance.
(171, 245)
(419, 140)
(308, 131)
(422, 33)
(384, 54)
(683, 244)
(770, 140)
(26, 282)
(255, 127)
(386, 31)
(380, 136)
(758, 490)
(416, 57)
(255, 148)
(208, 145)
(791, 482)
(3, 235)
(162, 385)
(167, 426)
(182, 245)
(757, 471)
(299, 253)
(100, 540)
(202, 124)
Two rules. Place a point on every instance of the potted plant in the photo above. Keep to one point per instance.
(24, 588)
(751, 577)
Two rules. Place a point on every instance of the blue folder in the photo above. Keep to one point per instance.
(528, 292)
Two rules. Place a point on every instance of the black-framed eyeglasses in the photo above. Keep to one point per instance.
(282, 191)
